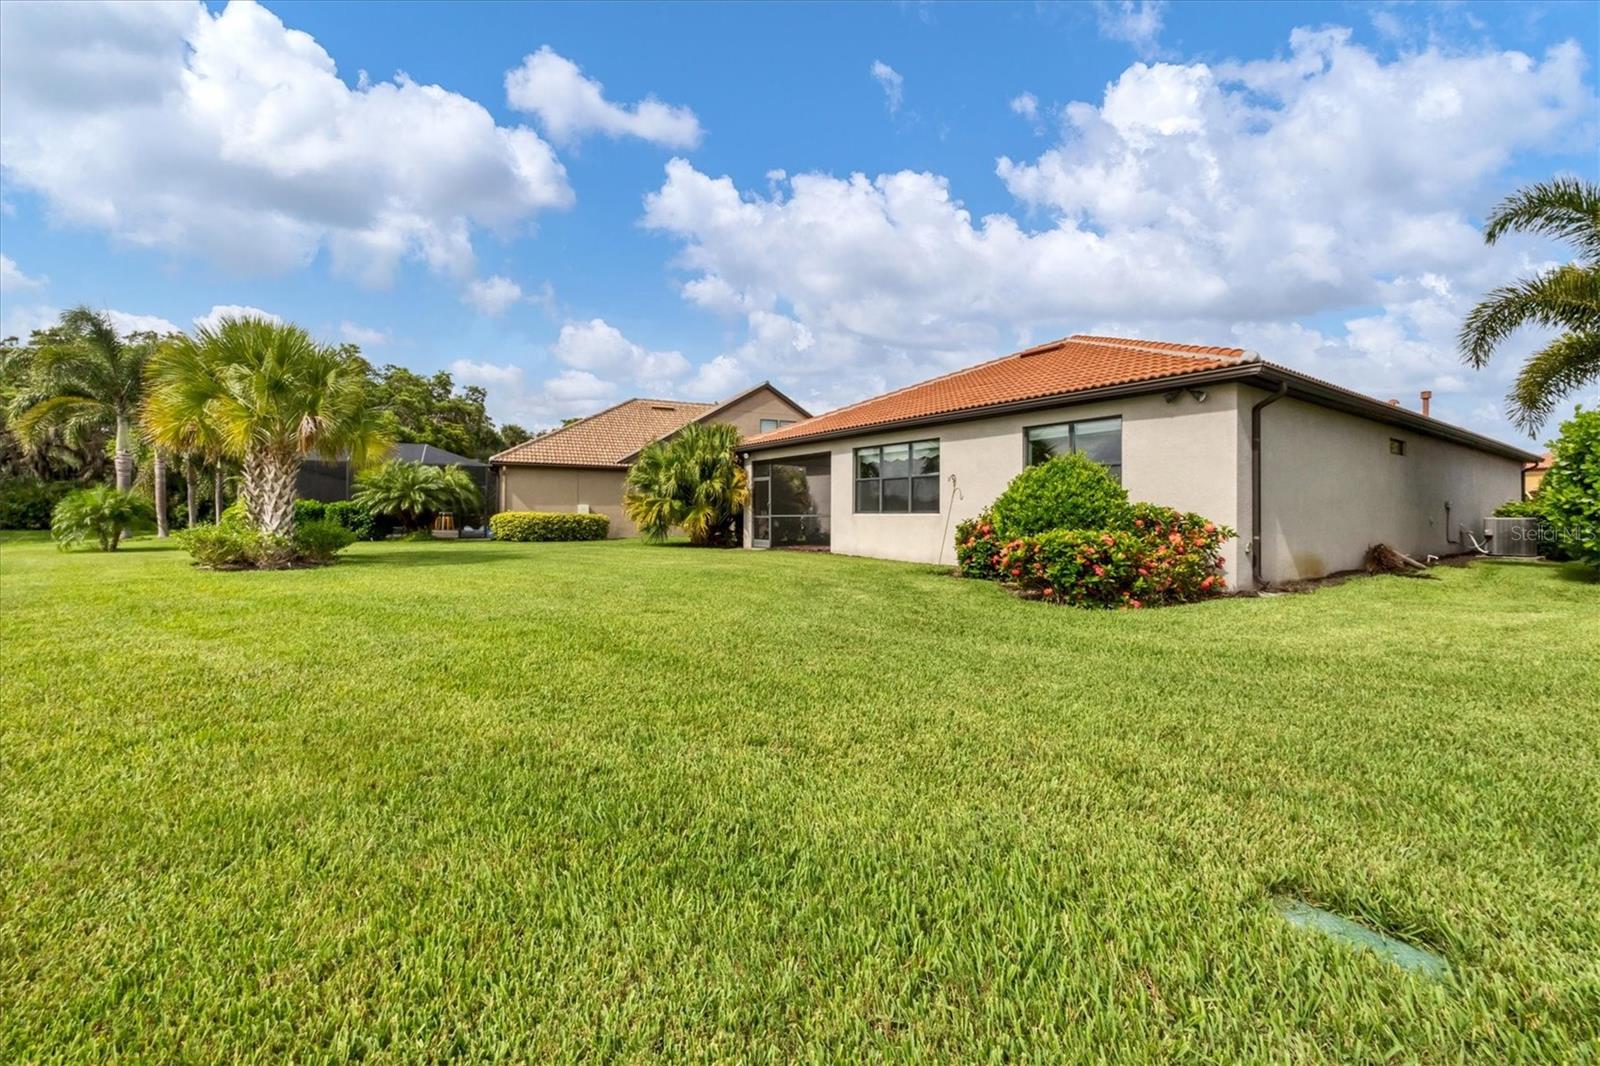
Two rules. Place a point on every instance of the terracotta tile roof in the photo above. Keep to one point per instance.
(606, 439)
(1544, 462)
(1059, 368)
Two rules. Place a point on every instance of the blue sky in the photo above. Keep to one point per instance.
(840, 198)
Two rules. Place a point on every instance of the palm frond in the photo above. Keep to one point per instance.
(1564, 208)
(1567, 297)
(1560, 368)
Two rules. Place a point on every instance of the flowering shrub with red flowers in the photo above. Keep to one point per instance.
(978, 547)
(1165, 557)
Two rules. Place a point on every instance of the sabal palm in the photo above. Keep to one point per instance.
(85, 375)
(693, 481)
(1566, 298)
(267, 395)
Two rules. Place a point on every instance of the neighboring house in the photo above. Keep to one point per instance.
(1309, 473)
(1533, 474)
(330, 480)
(581, 466)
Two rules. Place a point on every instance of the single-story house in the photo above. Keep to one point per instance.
(581, 466)
(1309, 473)
(334, 479)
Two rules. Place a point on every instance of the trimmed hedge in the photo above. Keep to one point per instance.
(548, 525)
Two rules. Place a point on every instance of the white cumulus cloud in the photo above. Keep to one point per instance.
(1134, 22)
(569, 105)
(13, 280)
(232, 137)
(363, 336)
(493, 295)
(213, 318)
(1026, 105)
(598, 347)
(1318, 206)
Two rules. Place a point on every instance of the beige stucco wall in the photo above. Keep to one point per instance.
(747, 414)
(559, 488)
(1183, 454)
(1330, 489)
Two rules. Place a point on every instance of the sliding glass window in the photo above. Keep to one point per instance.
(898, 478)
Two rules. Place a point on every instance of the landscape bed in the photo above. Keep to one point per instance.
(528, 801)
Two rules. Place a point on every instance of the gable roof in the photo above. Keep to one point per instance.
(608, 438)
(1072, 364)
(1085, 367)
(717, 409)
(615, 437)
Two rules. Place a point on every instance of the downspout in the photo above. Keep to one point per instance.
(1255, 480)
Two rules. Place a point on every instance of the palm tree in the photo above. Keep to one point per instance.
(268, 396)
(1566, 298)
(693, 481)
(84, 375)
(413, 492)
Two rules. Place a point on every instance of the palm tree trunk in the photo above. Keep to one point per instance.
(216, 491)
(269, 477)
(188, 487)
(124, 458)
(159, 471)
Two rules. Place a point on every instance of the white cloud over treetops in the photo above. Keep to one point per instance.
(1242, 202)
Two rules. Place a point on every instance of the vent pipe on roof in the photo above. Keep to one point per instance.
(1427, 395)
(1394, 403)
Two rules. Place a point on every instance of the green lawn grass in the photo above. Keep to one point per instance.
(521, 802)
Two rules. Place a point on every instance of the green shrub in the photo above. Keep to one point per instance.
(1067, 492)
(319, 542)
(1529, 508)
(358, 520)
(235, 546)
(1570, 492)
(26, 502)
(419, 536)
(548, 525)
(238, 546)
(978, 547)
(309, 511)
(100, 513)
(1167, 557)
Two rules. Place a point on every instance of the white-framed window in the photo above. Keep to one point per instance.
(770, 424)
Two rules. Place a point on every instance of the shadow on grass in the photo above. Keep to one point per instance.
(1571, 571)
